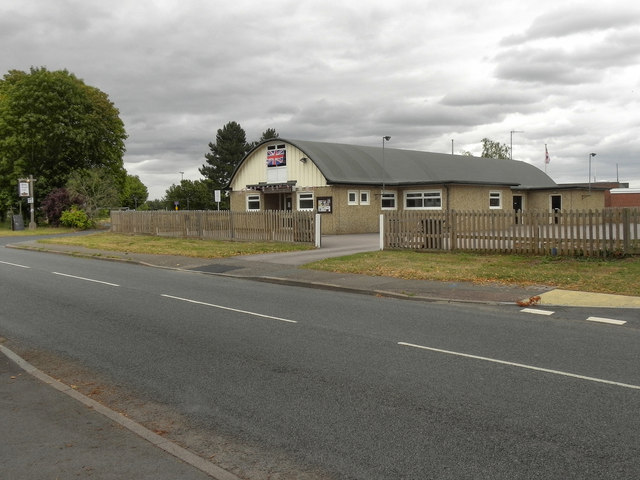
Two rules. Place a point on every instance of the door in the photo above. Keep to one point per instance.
(556, 206)
(517, 205)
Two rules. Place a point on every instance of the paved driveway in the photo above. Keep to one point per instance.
(332, 246)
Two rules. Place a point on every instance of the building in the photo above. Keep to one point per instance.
(623, 197)
(352, 185)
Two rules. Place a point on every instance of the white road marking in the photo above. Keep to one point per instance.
(231, 309)
(520, 365)
(15, 265)
(610, 321)
(86, 279)
(536, 311)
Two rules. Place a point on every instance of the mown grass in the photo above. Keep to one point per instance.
(617, 276)
(173, 246)
(5, 231)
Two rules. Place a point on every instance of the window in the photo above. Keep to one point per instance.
(495, 200)
(276, 155)
(389, 200)
(253, 202)
(426, 200)
(364, 197)
(352, 197)
(305, 201)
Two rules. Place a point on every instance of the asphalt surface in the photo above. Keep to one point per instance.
(52, 431)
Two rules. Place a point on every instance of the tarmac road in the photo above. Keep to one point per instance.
(65, 434)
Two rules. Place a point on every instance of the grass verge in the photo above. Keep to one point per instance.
(173, 246)
(616, 276)
(5, 231)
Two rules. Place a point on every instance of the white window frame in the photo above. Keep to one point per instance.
(253, 197)
(355, 197)
(365, 197)
(493, 195)
(386, 195)
(424, 195)
(305, 196)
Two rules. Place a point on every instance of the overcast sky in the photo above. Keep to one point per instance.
(564, 74)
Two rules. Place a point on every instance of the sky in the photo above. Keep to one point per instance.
(436, 76)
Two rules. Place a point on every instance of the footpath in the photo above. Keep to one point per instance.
(52, 431)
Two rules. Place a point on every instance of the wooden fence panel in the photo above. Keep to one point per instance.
(270, 226)
(576, 233)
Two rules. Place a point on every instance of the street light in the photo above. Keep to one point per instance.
(386, 138)
(591, 155)
(511, 147)
(181, 176)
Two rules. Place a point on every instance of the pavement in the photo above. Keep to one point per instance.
(50, 430)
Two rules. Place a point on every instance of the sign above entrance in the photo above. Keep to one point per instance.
(273, 187)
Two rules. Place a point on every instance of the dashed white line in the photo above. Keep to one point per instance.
(86, 279)
(535, 311)
(610, 321)
(521, 365)
(222, 307)
(15, 264)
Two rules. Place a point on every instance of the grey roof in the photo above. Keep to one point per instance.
(360, 165)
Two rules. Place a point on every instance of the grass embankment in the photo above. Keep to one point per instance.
(617, 276)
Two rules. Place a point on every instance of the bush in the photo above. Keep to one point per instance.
(56, 203)
(76, 218)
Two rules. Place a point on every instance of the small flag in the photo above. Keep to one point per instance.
(547, 159)
(276, 158)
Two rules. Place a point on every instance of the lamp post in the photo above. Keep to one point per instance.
(511, 146)
(386, 138)
(181, 176)
(591, 155)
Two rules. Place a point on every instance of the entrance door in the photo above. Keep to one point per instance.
(288, 203)
(517, 205)
(556, 206)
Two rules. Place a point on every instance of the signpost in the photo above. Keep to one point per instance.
(26, 189)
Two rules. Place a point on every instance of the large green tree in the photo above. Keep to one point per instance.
(225, 154)
(491, 149)
(191, 195)
(97, 187)
(134, 193)
(51, 124)
(268, 134)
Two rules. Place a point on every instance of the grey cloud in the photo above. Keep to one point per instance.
(569, 20)
(559, 64)
(497, 95)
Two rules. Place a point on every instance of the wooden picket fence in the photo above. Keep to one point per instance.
(263, 226)
(612, 231)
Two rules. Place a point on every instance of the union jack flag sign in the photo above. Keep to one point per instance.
(277, 157)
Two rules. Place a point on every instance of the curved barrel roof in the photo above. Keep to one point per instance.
(353, 164)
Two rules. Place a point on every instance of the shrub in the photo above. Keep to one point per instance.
(57, 202)
(76, 218)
